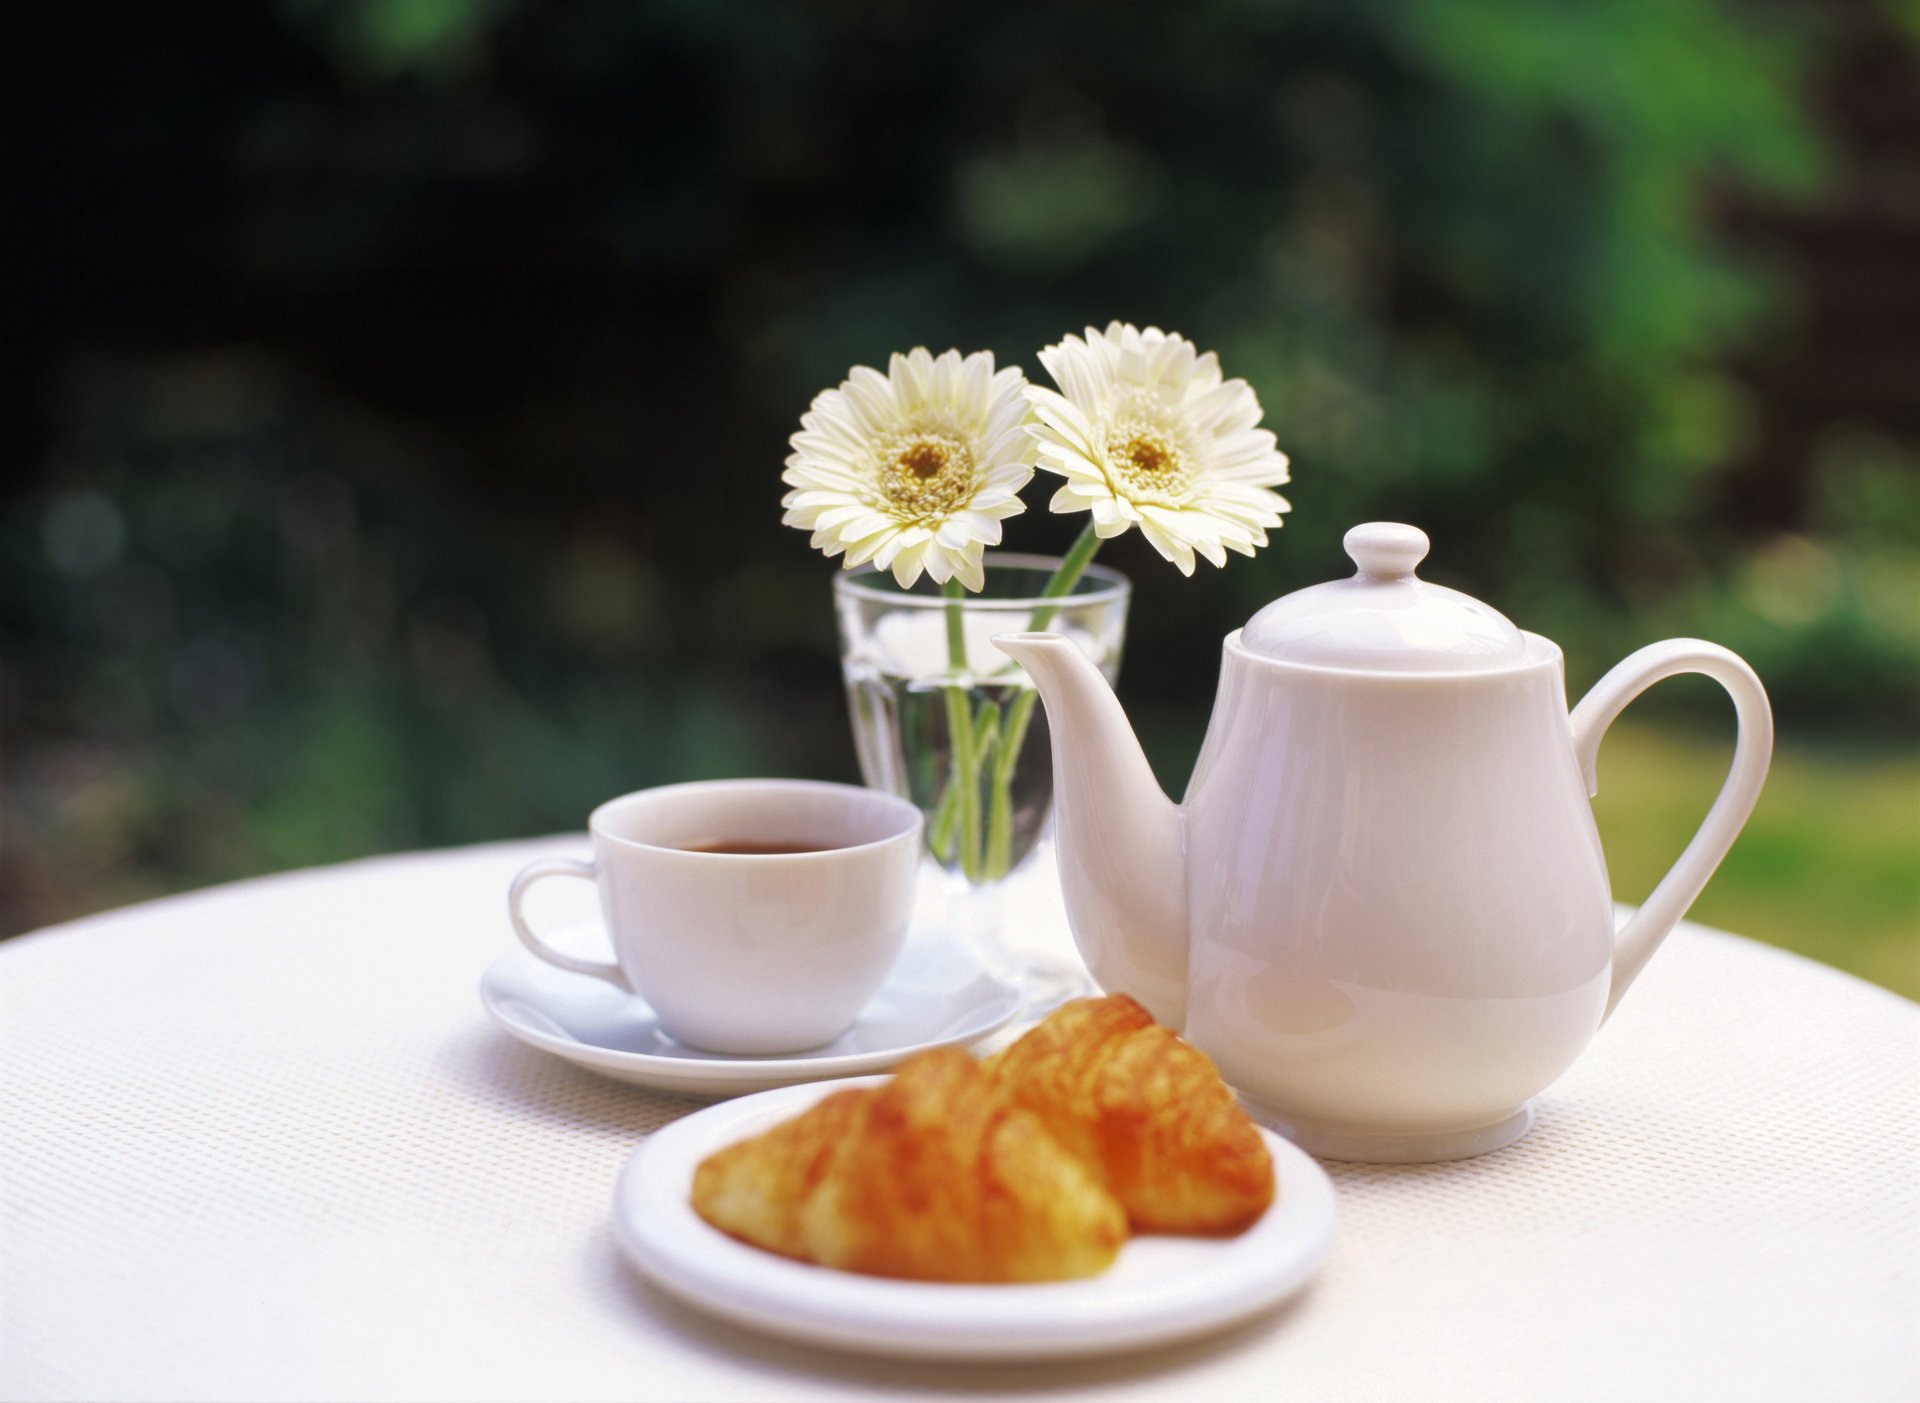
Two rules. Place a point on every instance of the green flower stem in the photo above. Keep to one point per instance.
(1013, 734)
(956, 596)
(989, 740)
(940, 830)
(1072, 566)
(964, 764)
(986, 733)
(966, 796)
(999, 855)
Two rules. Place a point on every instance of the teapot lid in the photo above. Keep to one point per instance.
(1383, 619)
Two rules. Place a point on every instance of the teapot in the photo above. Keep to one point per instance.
(1382, 908)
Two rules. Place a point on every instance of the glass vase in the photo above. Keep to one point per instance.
(948, 721)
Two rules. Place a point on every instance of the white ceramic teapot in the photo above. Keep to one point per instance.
(1382, 908)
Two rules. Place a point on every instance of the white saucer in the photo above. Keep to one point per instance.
(1160, 1290)
(938, 995)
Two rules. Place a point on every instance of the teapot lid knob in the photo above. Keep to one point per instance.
(1383, 618)
(1386, 549)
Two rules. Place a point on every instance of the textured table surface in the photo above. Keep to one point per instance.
(261, 1143)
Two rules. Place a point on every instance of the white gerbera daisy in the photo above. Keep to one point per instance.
(1147, 434)
(915, 469)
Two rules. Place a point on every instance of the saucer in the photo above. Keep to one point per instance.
(938, 995)
(1161, 1289)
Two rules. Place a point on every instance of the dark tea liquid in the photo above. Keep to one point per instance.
(747, 847)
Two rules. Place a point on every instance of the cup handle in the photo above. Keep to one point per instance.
(557, 867)
(1752, 752)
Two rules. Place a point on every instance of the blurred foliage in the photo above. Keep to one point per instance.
(1824, 867)
(406, 381)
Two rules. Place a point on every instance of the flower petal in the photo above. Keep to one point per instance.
(908, 564)
(1209, 495)
(1177, 551)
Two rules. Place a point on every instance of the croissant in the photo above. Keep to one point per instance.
(1147, 1111)
(935, 1175)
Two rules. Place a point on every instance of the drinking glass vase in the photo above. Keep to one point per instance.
(948, 721)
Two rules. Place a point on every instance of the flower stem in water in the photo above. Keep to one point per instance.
(963, 761)
(1013, 733)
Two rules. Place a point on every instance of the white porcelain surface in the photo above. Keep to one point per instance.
(745, 954)
(1375, 1147)
(936, 995)
(1383, 907)
(1160, 1290)
(1384, 616)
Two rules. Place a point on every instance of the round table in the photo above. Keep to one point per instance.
(261, 1143)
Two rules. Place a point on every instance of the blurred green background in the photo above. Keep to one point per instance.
(394, 392)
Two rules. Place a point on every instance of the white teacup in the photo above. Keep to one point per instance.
(748, 953)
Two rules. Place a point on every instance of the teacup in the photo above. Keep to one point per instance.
(754, 916)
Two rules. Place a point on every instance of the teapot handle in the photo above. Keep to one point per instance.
(1752, 752)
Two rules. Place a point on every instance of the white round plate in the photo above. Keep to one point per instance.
(938, 995)
(1160, 1290)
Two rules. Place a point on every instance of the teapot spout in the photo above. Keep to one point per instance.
(1120, 839)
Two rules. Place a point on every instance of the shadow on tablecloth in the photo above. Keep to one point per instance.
(487, 1063)
(743, 1349)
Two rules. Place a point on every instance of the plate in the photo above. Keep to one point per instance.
(1161, 1289)
(938, 995)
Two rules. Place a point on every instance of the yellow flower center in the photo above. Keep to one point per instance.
(1146, 462)
(1150, 458)
(926, 476)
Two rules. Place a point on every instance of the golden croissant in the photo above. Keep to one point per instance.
(1147, 1110)
(935, 1175)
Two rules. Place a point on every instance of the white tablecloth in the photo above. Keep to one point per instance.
(261, 1143)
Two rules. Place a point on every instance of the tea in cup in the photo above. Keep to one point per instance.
(754, 916)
